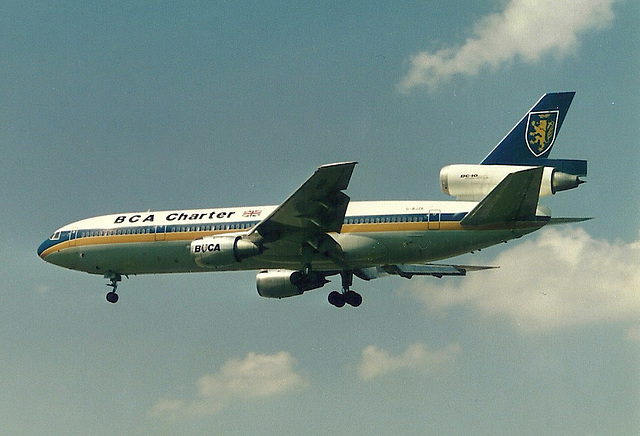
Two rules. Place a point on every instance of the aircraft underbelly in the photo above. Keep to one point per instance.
(427, 246)
(128, 258)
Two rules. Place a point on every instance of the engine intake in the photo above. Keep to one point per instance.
(220, 251)
(284, 283)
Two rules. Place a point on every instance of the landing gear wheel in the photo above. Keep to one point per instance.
(114, 278)
(347, 296)
(352, 298)
(112, 297)
(336, 299)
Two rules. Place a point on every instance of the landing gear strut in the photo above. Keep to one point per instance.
(112, 297)
(347, 296)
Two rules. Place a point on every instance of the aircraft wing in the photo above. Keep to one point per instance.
(428, 269)
(315, 208)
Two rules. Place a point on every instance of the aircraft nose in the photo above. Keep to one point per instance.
(42, 248)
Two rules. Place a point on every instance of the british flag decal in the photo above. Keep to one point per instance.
(251, 213)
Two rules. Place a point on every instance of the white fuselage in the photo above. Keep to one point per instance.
(373, 233)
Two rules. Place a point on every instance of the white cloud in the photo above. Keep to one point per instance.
(255, 376)
(525, 29)
(377, 362)
(564, 277)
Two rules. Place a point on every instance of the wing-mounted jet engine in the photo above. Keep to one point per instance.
(221, 251)
(286, 283)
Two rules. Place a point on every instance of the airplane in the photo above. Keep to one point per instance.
(318, 232)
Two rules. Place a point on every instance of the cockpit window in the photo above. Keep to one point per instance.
(55, 236)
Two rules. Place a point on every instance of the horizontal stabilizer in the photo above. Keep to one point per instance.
(514, 199)
(554, 221)
(575, 167)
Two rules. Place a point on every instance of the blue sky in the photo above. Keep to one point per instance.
(110, 107)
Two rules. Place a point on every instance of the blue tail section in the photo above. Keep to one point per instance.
(530, 141)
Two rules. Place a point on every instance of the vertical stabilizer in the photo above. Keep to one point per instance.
(530, 141)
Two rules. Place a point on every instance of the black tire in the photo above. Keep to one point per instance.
(336, 299)
(112, 297)
(353, 298)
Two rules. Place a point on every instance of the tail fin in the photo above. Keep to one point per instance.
(530, 141)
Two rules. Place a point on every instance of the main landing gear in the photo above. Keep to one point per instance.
(112, 297)
(347, 296)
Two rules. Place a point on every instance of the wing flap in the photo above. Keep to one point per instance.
(428, 269)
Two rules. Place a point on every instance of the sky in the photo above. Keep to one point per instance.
(118, 106)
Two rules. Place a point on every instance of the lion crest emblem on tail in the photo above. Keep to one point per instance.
(541, 131)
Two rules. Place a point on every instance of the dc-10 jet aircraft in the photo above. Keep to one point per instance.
(318, 232)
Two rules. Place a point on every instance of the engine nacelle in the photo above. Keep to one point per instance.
(474, 182)
(282, 283)
(220, 251)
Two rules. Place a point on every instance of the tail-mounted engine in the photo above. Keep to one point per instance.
(474, 182)
(220, 251)
(283, 283)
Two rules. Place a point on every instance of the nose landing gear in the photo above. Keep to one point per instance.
(112, 297)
